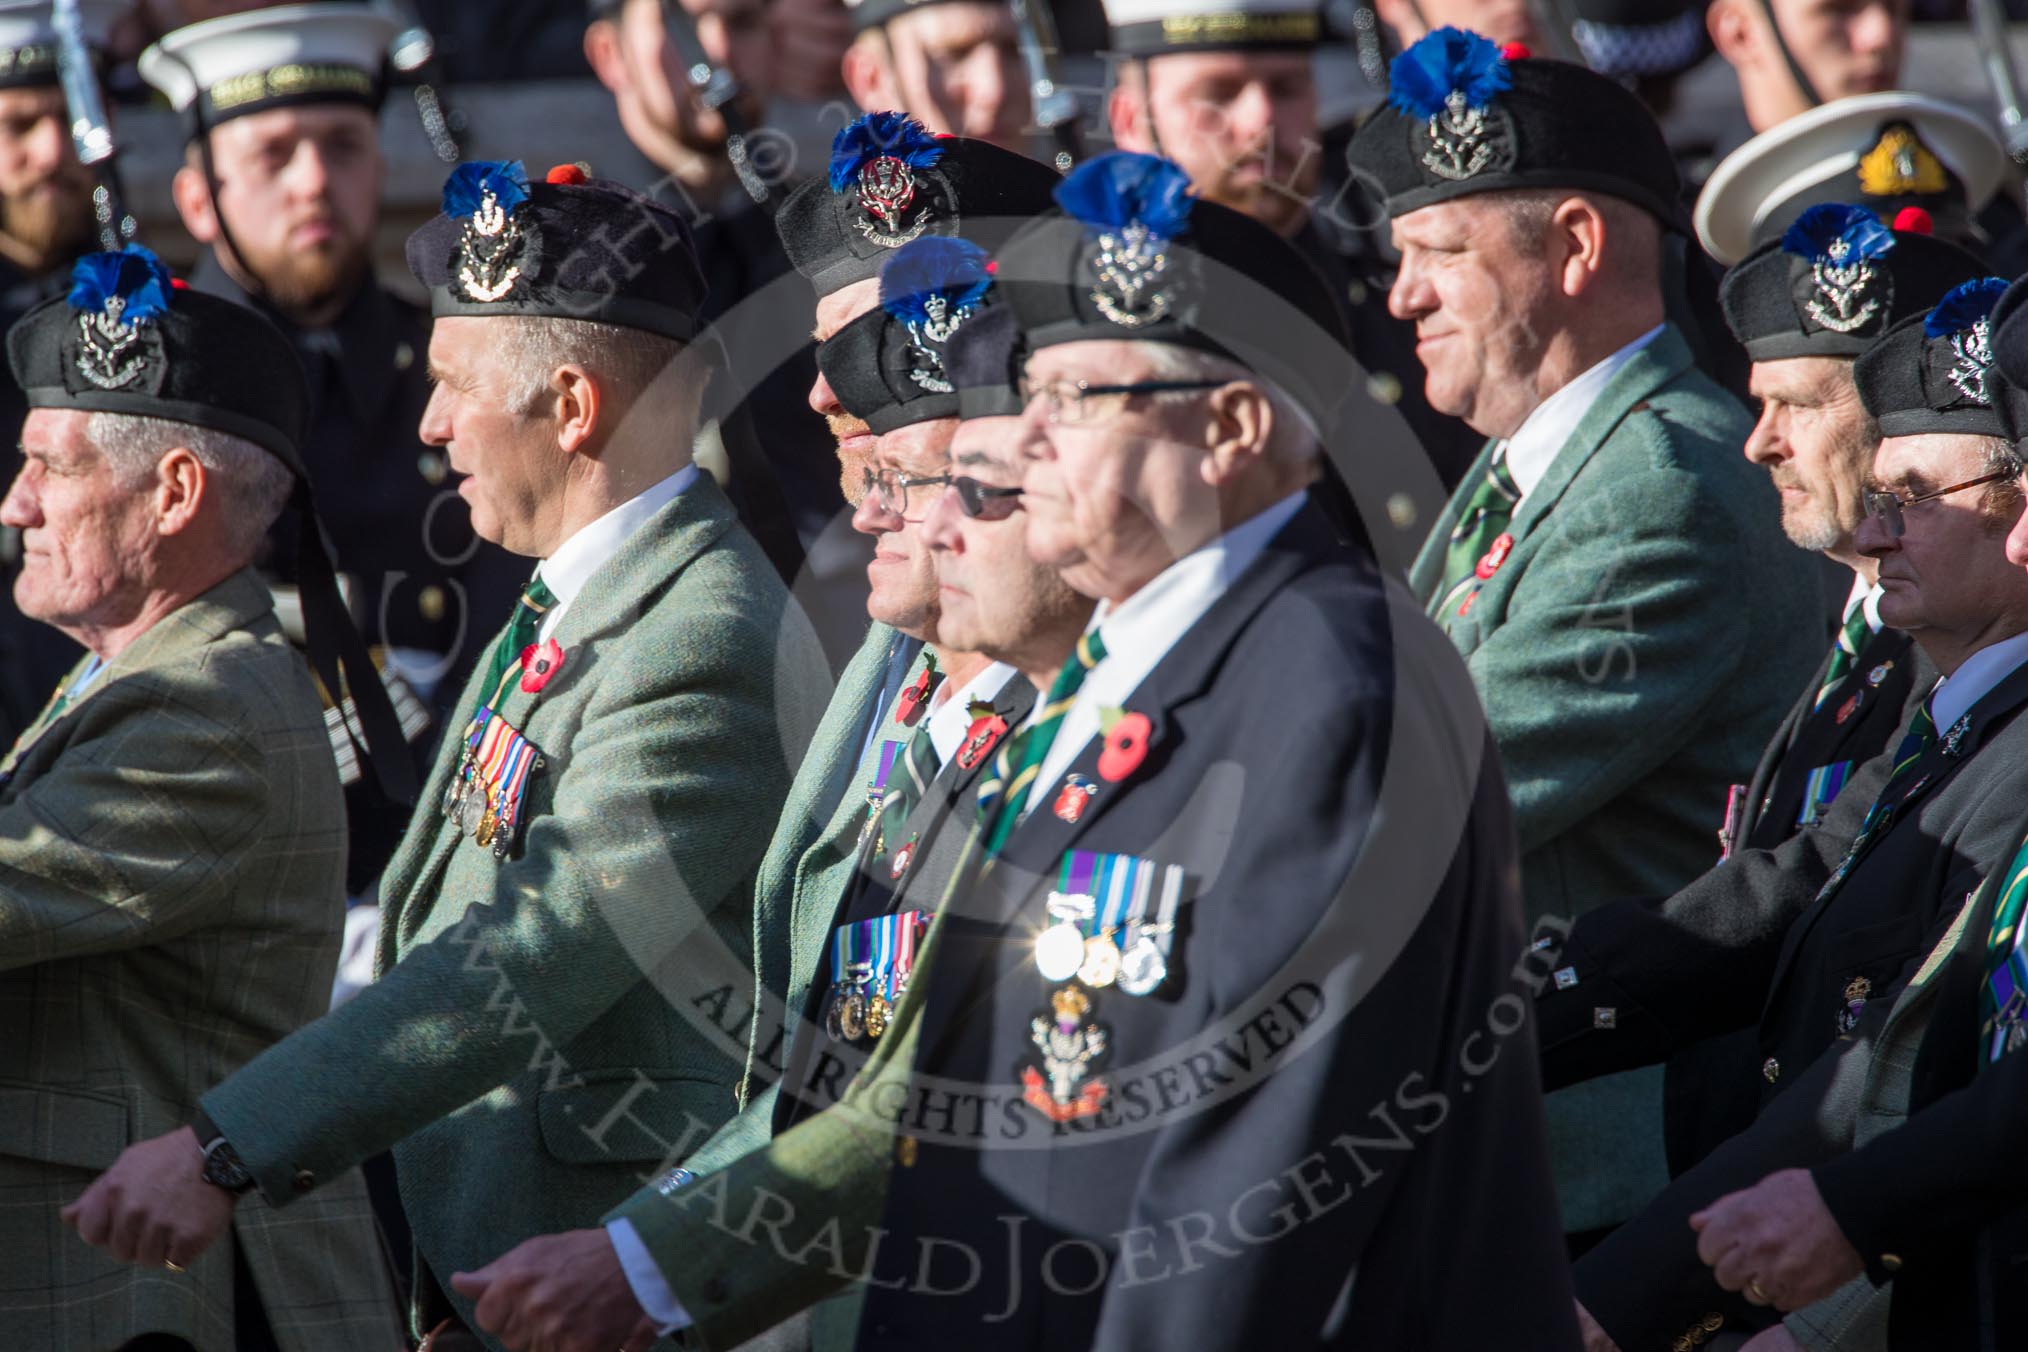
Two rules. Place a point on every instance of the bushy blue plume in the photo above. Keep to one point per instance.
(1828, 223)
(896, 135)
(134, 275)
(1963, 306)
(468, 183)
(1421, 78)
(1111, 191)
(956, 268)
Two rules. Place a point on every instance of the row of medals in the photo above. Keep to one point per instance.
(476, 807)
(859, 1008)
(1064, 950)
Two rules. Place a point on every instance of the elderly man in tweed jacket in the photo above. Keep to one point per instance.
(566, 942)
(172, 835)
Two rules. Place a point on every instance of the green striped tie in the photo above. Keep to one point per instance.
(1915, 744)
(1855, 633)
(1004, 792)
(536, 599)
(2004, 995)
(906, 784)
(1481, 522)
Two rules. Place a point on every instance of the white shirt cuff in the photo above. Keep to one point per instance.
(658, 1302)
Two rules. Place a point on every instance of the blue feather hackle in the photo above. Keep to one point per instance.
(933, 265)
(1109, 192)
(1829, 223)
(1421, 78)
(134, 274)
(469, 182)
(1963, 306)
(896, 135)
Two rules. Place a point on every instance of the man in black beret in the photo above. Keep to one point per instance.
(172, 835)
(1594, 565)
(599, 814)
(1837, 1039)
(281, 184)
(954, 65)
(45, 222)
(1803, 307)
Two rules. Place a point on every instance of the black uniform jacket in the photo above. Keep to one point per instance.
(1323, 1128)
(1841, 958)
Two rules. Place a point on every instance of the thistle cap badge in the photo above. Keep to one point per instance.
(1845, 290)
(1446, 83)
(1131, 207)
(497, 249)
(931, 287)
(880, 157)
(117, 297)
(1958, 330)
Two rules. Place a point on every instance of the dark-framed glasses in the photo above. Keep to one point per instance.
(1069, 401)
(985, 502)
(1889, 508)
(892, 491)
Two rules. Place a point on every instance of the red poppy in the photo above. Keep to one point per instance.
(1497, 555)
(1126, 747)
(980, 739)
(909, 706)
(540, 662)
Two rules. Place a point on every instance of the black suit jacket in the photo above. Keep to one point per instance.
(819, 1070)
(1645, 1283)
(1684, 976)
(1324, 1128)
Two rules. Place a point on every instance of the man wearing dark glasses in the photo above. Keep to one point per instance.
(1941, 496)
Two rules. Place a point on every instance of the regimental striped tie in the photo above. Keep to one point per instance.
(2004, 997)
(1481, 522)
(1915, 744)
(536, 599)
(907, 782)
(1844, 654)
(1003, 793)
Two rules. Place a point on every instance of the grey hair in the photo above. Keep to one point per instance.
(2002, 499)
(252, 485)
(1295, 435)
(533, 347)
(1633, 236)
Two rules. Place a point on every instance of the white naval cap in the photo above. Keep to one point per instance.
(28, 36)
(273, 58)
(1151, 27)
(1884, 151)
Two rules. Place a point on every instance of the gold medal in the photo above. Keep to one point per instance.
(488, 820)
(878, 1011)
(852, 1015)
(1101, 961)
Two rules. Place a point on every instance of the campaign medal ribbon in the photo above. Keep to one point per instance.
(1820, 789)
(871, 961)
(876, 791)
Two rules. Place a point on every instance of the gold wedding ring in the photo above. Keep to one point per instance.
(1756, 1293)
(172, 1267)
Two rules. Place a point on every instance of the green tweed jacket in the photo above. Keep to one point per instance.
(802, 876)
(1634, 653)
(172, 851)
(550, 1029)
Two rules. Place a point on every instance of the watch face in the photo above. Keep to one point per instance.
(222, 1168)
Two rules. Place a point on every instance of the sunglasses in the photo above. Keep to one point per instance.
(984, 502)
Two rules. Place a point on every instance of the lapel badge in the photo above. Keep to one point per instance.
(1844, 290)
(1954, 740)
(1879, 673)
(1503, 545)
(497, 248)
(903, 857)
(1857, 991)
(1958, 342)
(1064, 1087)
(980, 739)
(1131, 207)
(931, 287)
(1073, 798)
(880, 158)
(118, 297)
(1445, 84)
(1847, 709)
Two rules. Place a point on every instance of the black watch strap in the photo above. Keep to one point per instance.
(224, 1169)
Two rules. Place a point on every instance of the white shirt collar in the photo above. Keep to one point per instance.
(1140, 631)
(1972, 681)
(1542, 434)
(586, 551)
(1865, 594)
(950, 714)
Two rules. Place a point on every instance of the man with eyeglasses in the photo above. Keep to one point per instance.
(889, 182)
(1942, 493)
(1803, 306)
(1613, 571)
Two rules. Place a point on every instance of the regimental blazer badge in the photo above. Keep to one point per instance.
(1843, 290)
(881, 159)
(1131, 207)
(1446, 84)
(117, 297)
(497, 248)
(1063, 1086)
(931, 287)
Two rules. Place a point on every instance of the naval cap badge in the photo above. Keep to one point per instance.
(931, 286)
(497, 248)
(1445, 83)
(881, 157)
(1131, 207)
(117, 297)
(1961, 320)
(1843, 291)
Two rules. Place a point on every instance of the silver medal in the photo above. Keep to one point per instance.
(1142, 966)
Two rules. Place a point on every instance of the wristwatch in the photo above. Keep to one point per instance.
(223, 1169)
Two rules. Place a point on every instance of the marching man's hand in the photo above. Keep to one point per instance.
(1776, 1242)
(558, 1293)
(153, 1207)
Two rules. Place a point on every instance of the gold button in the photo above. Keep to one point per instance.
(905, 1151)
(431, 603)
(1713, 1322)
(1770, 1070)
(1891, 1261)
(305, 1180)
